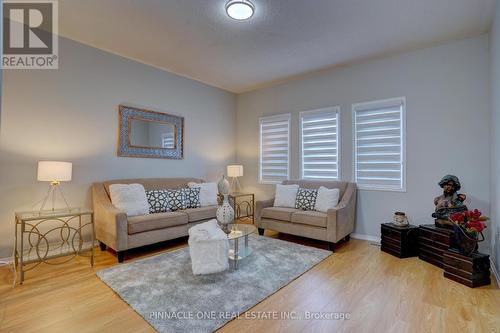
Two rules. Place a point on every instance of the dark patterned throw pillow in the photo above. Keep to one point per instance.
(158, 201)
(306, 199)
(192, 197)
(176, 199)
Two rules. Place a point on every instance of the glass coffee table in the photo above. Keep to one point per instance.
(237, 252)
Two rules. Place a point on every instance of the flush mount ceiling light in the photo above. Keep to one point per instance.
(240, 9)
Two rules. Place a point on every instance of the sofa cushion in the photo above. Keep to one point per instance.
(192, 197)
(306, 199)
(130, 198)
(158, 201)
(317, 219)
(176, 200)
(202, 213)
(150, 222)
(278, 213)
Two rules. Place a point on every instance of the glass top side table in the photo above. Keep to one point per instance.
(239, 231)
(243, 205)
(41, 236)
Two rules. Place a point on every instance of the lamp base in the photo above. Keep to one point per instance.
(235, 185)
(54, 187)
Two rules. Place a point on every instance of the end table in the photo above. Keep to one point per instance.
(401, 242)
(243, 205)
(35, 232)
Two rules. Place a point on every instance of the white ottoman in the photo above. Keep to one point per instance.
(208, 248)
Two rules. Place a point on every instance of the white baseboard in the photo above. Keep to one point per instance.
(6, 261)
(9, 260)
(366, 237)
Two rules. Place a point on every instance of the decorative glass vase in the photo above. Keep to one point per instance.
(225, 215)
(223, 185)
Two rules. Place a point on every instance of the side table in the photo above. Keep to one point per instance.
(36, 233)
(433, 242)
(401, 242)
(472, 271)
(243, 205)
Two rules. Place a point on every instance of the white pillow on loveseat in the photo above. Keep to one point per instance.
(131, 198)
(326, 199)
(208, 193)
(286, 195)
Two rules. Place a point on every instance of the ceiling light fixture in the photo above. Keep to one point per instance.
(240, 9)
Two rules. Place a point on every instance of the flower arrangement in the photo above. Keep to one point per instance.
(472, 221)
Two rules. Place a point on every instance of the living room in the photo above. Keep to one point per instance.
(329, 157)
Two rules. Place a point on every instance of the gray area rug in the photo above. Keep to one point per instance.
(164, 291)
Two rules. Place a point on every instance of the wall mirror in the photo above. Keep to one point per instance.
(145, 133)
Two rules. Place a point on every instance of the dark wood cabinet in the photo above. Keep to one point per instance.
(472, 271)
(433, 242)
(401, 242)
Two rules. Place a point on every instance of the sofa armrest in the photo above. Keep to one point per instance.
(340, 220)
(111, 225)
(259, 206)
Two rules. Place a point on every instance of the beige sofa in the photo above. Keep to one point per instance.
(114, 229)
(334, 225)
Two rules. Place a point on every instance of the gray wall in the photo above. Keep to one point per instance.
(495, 138)
(447, 95)
(71, 114)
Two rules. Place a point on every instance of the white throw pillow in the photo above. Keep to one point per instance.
(326, 199)
(208, 193)
(285, 195)
(130, 198)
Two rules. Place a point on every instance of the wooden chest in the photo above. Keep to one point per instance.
(401, 242)
(433, 242)
(473, 271)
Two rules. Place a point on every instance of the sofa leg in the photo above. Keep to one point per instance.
(347, 238)
(102, 246)
(261, 231)
(120, 255)
(331, 246)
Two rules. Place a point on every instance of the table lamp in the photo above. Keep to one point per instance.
(233, 172)
(55, 173)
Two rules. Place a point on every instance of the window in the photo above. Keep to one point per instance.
(319, 142)
(379, 144)
(274, 149)
(168, 140)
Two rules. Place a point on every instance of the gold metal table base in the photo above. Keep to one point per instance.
(33, 244)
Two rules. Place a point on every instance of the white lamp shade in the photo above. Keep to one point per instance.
(49, 171)
(235, 171)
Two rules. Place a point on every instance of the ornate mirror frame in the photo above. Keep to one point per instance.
(127, 113)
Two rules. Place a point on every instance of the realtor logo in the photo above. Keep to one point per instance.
(30, 39)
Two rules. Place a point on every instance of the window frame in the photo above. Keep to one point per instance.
(278, 117)
(380, 104)
(336, 110)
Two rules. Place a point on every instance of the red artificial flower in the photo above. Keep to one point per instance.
(476, 225)
(475, 214)
(457, 217)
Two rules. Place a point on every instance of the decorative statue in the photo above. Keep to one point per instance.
(449, 202)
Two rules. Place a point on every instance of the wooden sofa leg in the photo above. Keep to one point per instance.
(331, 246)
(347, 238)
(261, 231)
(120, 255)
(102, 246)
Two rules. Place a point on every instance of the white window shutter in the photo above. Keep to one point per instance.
(379, 144)
(320, 144)
(274, 165)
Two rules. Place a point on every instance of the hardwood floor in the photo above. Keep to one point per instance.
(381, 293)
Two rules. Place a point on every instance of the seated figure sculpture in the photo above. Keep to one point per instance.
(449, 202)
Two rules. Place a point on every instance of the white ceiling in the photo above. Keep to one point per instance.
(284, 39)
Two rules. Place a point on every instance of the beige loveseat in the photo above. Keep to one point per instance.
(334, 225)
(114, 229)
